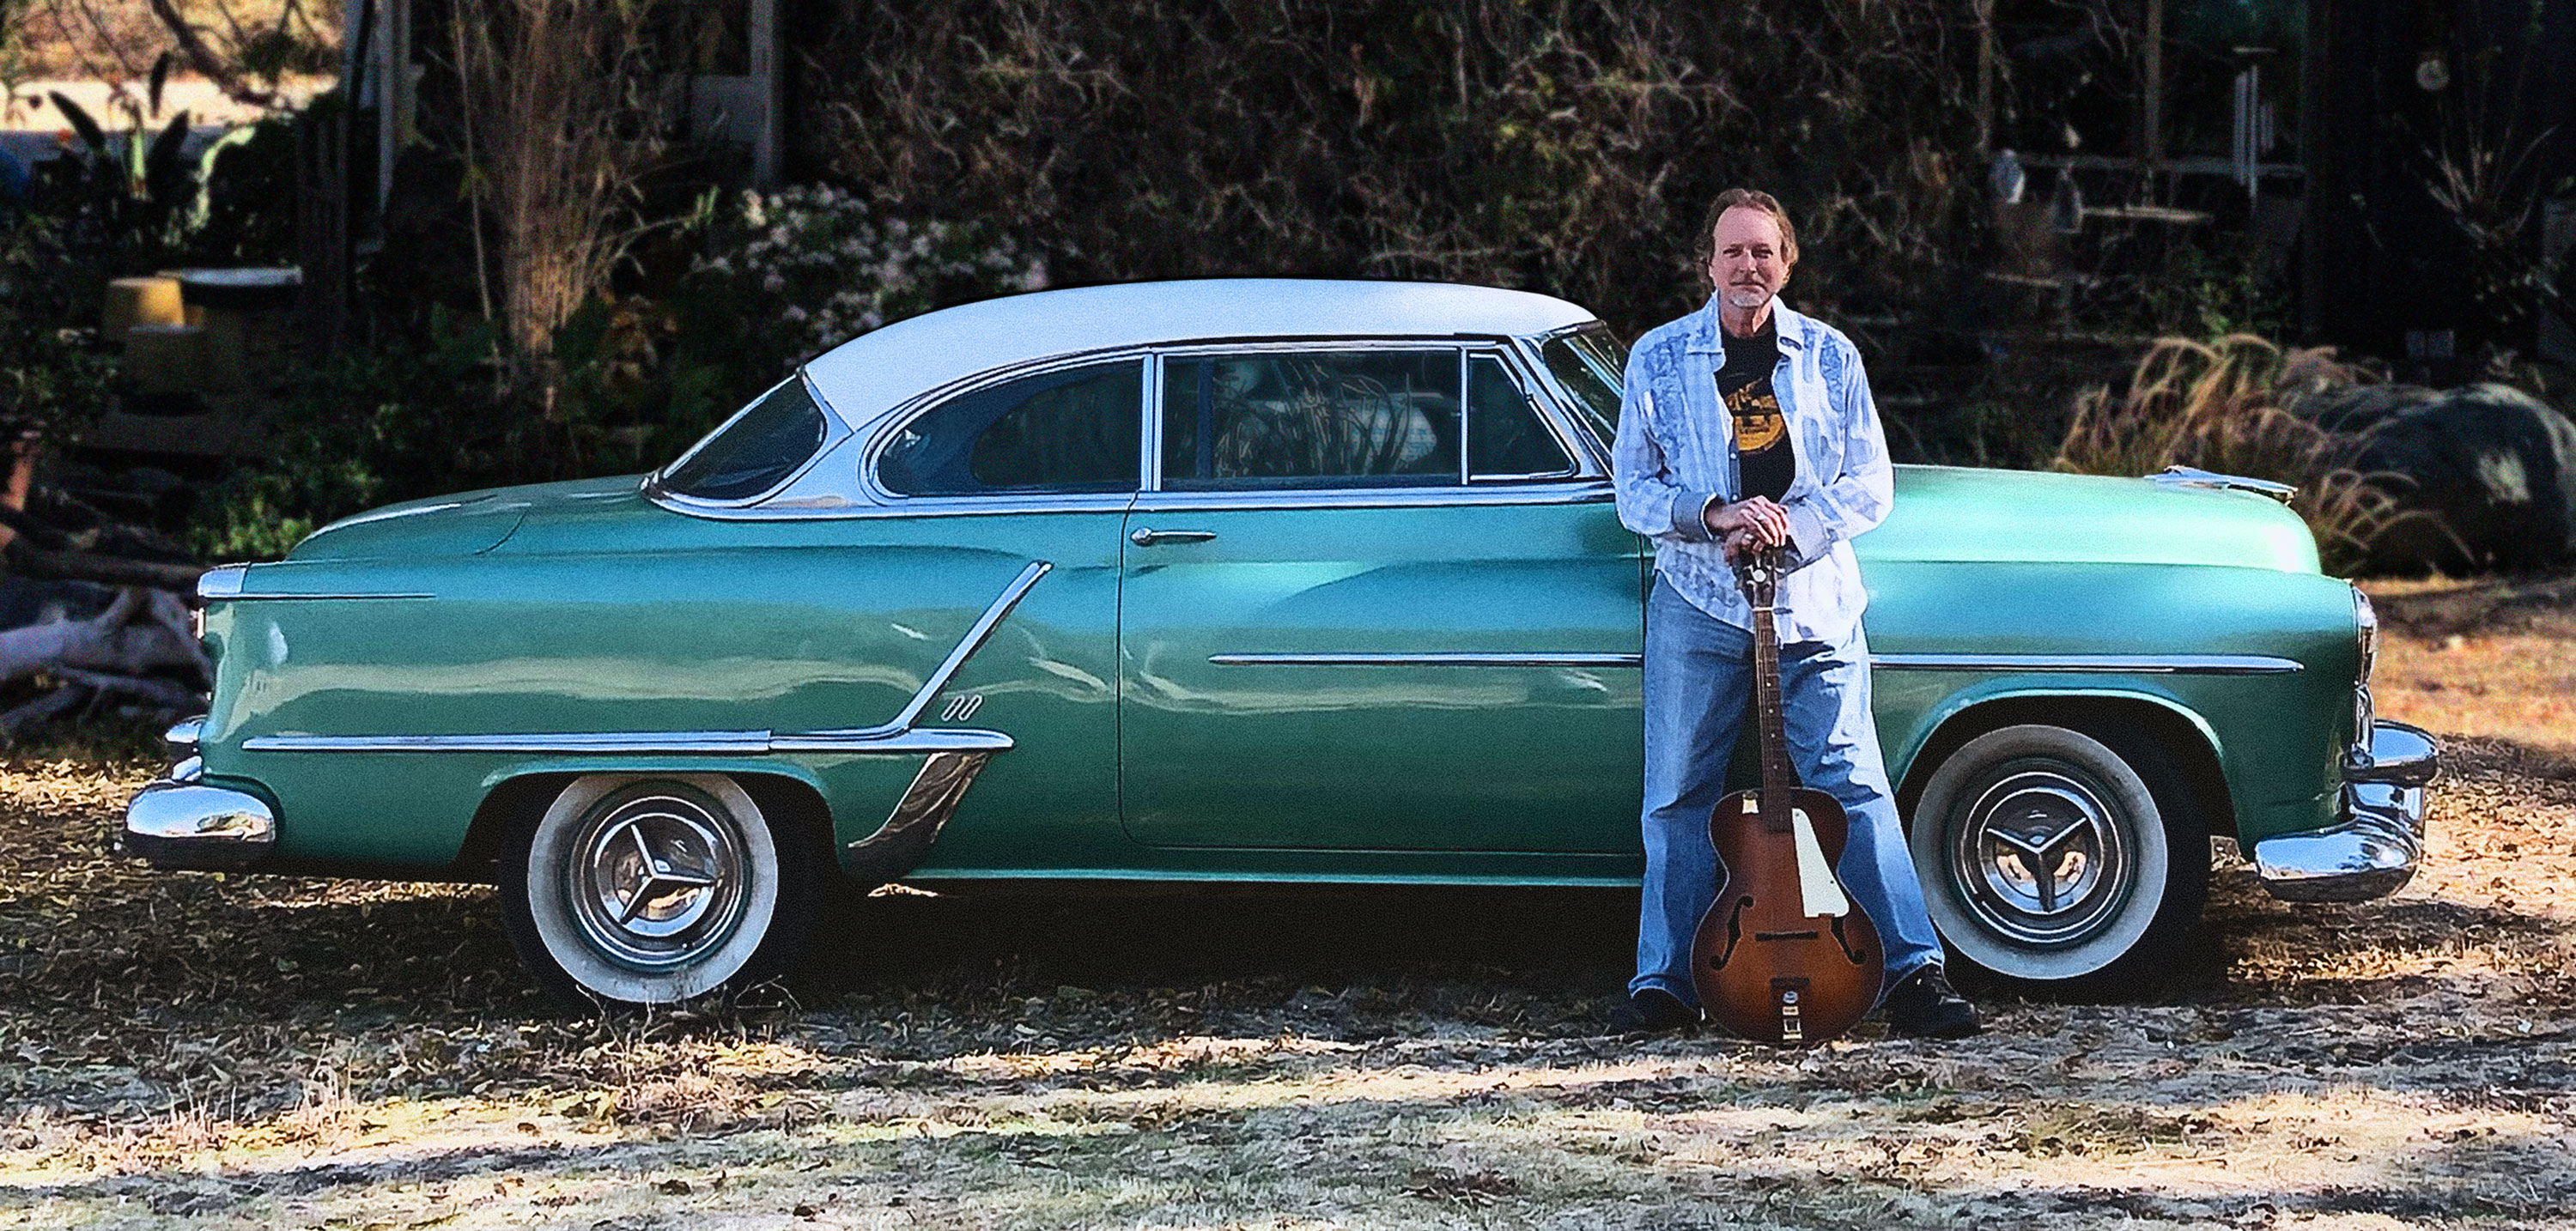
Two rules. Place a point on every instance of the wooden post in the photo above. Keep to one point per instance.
(765, 69)
(2151, 144)
(2317, 186)
(1985, 79)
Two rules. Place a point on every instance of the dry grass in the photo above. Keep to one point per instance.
(2493, 657)
(2224, 406)
(558, 126)
(192, 1051)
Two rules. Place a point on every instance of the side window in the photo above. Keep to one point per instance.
(1506, 439)
(1591, 365)
(1372, 418)
(1073, 430)
(755, 450)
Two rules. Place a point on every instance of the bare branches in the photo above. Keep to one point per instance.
(203, 59)
(1563, 144)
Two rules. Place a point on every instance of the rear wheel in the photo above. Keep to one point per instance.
(2048, 857)
(640, 890)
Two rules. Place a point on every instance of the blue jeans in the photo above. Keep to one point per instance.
(1699, 676)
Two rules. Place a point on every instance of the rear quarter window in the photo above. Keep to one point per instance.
(754, 451)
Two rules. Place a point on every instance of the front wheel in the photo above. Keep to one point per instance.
(2048, 857)
(643, 890)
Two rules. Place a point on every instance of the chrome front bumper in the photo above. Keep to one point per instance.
(2372, 851)
(179, 822)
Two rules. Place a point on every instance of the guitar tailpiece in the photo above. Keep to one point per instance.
(1789, 997)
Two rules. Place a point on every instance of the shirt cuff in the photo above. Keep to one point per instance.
(1807, 533)
(1690, 515)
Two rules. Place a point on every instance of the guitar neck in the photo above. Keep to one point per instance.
(1778, 776)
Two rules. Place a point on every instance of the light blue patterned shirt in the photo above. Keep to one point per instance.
(1675, 459)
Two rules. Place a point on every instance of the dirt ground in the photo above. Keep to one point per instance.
(199, 1051)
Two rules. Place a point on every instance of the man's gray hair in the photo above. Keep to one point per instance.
(1749, 198)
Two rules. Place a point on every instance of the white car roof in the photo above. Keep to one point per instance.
(875, 372)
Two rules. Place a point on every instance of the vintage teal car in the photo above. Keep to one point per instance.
(1233, 581)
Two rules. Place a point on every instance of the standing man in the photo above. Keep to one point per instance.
(1747, 425)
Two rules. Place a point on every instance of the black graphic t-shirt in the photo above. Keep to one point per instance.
(1764, 462)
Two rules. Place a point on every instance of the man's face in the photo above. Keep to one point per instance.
(1752, 263)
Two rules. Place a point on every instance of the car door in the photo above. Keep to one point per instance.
(1036, 464)
(1375, 598)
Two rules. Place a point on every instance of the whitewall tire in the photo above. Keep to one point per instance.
(2048, 857)
(646, 889)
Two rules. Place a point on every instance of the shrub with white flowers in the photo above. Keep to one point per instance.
(827, 267)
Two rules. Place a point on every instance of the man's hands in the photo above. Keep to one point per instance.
(1749, 525)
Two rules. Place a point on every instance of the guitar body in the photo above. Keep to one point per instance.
(1782, 956)
(1765, 968)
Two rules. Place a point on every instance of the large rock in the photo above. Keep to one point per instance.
(2495, 466)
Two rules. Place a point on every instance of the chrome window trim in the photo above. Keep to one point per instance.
(836, 431)
(866, 439)
(891, 737)
(1435, 659)
(1559, 491)
(1150, 437)
(1267, 346)
(1544, 398)
(1532, 358)
(1541, 400)
(1466, 375)
(881, 435)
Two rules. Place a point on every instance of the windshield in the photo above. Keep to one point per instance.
(1590, 364)
(755, 450)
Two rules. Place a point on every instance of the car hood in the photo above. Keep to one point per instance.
(465, 524)
(1954, 513)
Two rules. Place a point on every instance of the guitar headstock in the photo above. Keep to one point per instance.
(1758, 575)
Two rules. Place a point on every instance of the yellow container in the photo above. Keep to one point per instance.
(141, 301)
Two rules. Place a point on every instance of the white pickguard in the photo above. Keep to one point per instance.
(1820, 894)
(1816, 883)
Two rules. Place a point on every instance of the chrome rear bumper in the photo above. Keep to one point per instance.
(2372, 851)
(181, 823)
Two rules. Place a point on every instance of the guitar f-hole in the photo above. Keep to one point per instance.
(1857, 957)
(1734, 934)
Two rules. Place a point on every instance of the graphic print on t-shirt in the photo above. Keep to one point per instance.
(1757, 416)
(1763, 461)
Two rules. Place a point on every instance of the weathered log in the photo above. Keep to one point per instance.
(159, 692)
(46, 706)
(142, 631)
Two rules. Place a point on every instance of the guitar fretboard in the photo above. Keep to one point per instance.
(1778, 776)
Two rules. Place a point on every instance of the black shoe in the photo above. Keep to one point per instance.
(1652, 1009)
(1925, 1006)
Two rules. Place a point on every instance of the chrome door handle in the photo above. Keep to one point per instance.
(1148, 538)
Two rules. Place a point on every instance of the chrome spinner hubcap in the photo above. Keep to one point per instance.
(658, 881)
(2042, 859)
